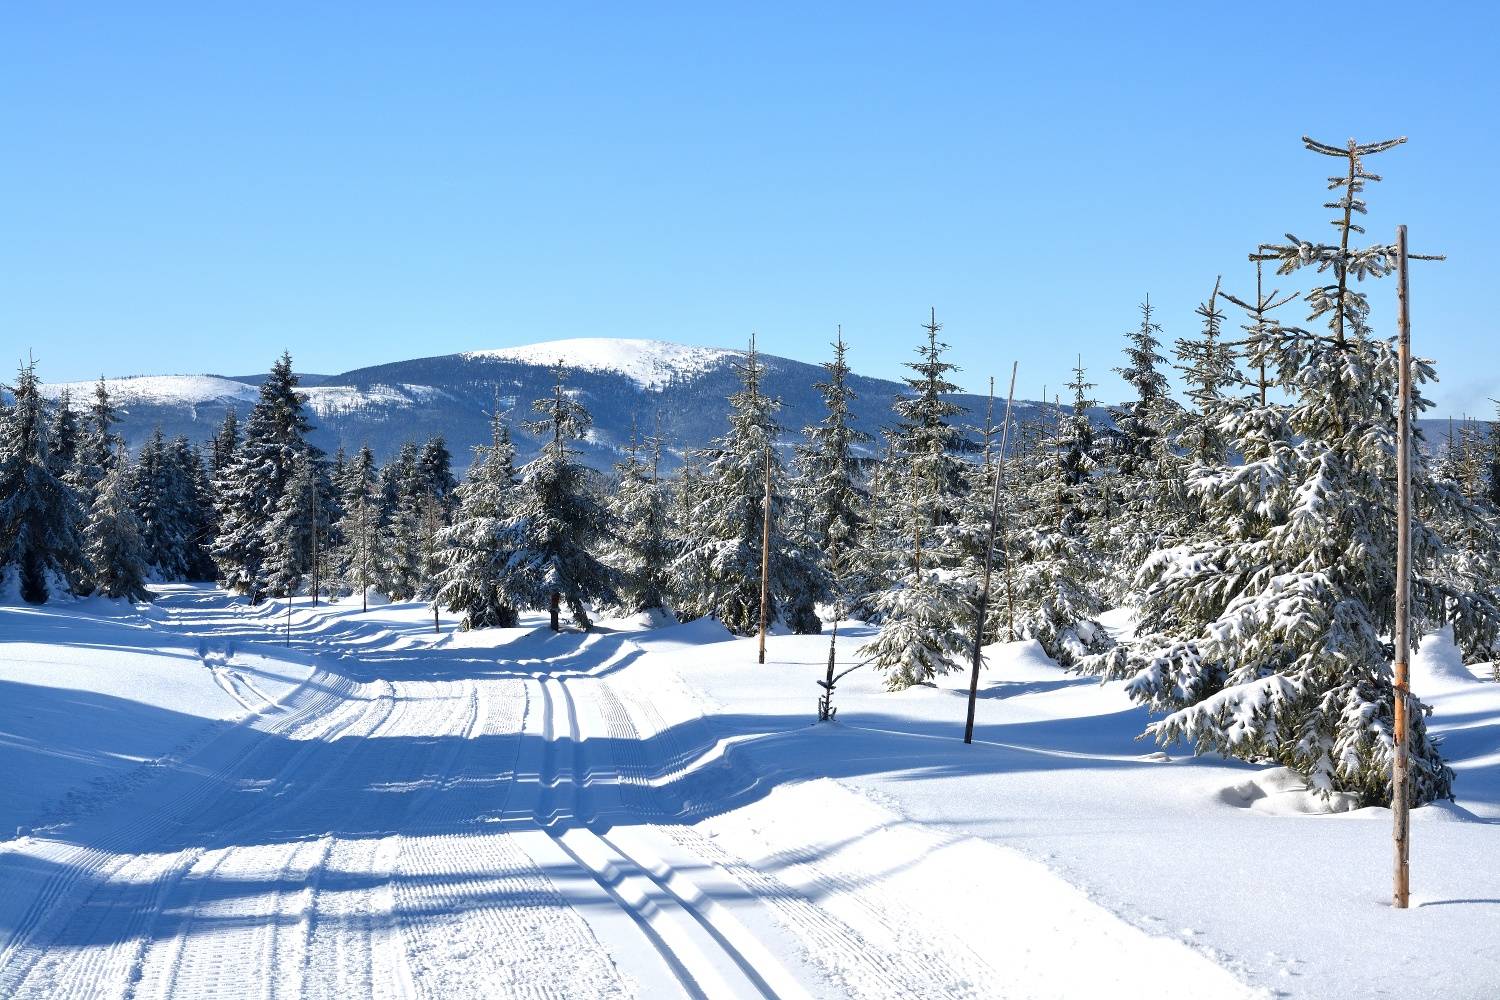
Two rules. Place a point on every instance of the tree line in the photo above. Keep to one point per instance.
(1250, 526)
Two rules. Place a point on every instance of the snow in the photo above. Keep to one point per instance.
(650, 363)
(163, 390)
(368, 807)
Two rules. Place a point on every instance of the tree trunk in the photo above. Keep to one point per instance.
(556, 607)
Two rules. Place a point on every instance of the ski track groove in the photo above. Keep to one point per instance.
(369, 840)
(901, 963)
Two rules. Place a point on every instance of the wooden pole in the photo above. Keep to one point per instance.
(989, 559)
(765, 557)
(1400, 778)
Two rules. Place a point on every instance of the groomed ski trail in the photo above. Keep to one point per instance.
(420, 820)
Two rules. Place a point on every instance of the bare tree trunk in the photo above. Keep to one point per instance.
(556, 608)
(989, 560)
(1400, 780)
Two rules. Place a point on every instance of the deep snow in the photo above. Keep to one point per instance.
(378, 810)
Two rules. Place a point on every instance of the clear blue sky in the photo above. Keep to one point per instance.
(195, 187)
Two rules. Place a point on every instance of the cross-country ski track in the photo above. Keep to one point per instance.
(501, 814)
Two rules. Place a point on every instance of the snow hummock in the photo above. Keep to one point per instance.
(650, 363)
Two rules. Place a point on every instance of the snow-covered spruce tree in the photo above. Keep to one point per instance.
(435, 465)
(1057, 567)
(169, 506)
(249, 489)
(196, 512)
(63, 437)
(1264, 636)
(298, 551)
(98, 443)
(356, 561)
(830, 486)
(116, 550)
(403, 552)
(475, 548)
(925, 611)
(225, 444)
(1208, 369)
(718, 571)
(40, 517)
(1146, 490)
(641, 548)
(557, 519)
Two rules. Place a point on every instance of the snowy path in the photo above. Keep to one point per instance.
(390, 835)
(428, 818)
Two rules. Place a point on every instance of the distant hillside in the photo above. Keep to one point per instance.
(621, 381)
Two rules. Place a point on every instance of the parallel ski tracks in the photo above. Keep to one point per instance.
(505, 833)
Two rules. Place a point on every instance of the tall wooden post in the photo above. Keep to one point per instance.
(1400, 778)
(765, 557)
(989, 559)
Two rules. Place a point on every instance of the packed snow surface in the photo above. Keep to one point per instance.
(217, 800)
(650, 363)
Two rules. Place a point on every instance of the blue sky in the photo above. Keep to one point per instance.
(196, 187)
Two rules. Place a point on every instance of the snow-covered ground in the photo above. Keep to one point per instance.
(376, 810)
(650, 363)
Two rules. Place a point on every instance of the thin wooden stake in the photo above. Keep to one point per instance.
(1400, 776)
(765, 558)
(989, 558)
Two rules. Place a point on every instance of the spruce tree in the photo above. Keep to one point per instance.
(116, 550)
(356, 562)
(642, 547)
(226, 442)
(99, 442)
(40, 518)
(719, 569)
(924, 609)
(557, 519)
(1264, 636)
(831, 489)
(1208, 368)
(249, 490)
(475, 547)
(1057, 564)
(299, 531)
(63, 438)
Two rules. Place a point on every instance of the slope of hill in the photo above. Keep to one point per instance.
(625, 383)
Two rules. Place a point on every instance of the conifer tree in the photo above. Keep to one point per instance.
(641, 549)
(719, 569)
(40, 518)
(115, 547)
(924, 610)
(556, 519)
(1264, 636)
(356, 562)
(299, 531)
(475, 547)
(99, 443)
(831, 489)
(1208, 367)
(435, 465)
(1057, 564)
(249, 490)
(226, 442)
(63, 438)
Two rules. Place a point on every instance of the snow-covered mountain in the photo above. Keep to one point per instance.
(624, 382)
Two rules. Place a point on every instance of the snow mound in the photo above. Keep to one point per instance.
(1439, 664)
(164, 390)
(651, 364)
(1280, 791)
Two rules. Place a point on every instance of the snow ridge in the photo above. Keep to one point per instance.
(650, 363)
